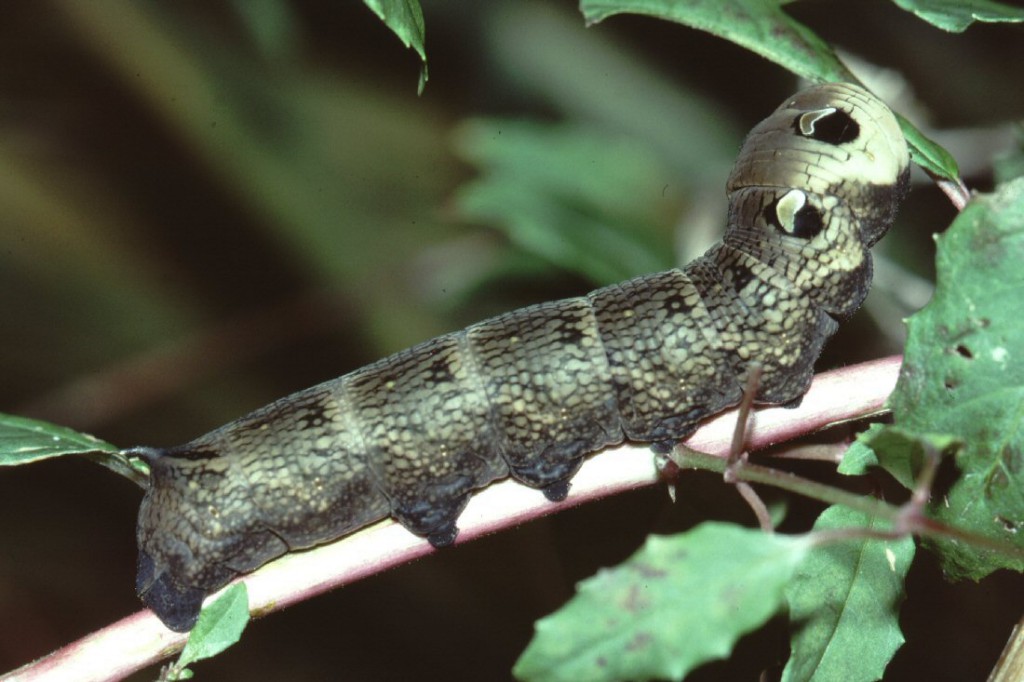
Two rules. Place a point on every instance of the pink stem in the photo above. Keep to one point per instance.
(141, 640)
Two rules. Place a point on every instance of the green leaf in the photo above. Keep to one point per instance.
(405, 19)
(24, 440)
(963, 375)
(583, 199)
(678, 602)
(927, 154)
(844, 600)
(859, 457)
(762, 27)
(956, 15)
(758, 25)
(220, 624)
(898, 451)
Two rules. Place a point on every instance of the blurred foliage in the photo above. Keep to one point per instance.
(208, 205)
(958, 16)
(573, 197)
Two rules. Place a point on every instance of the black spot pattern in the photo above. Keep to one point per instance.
(835, 128)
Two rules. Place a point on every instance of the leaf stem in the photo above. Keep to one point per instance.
(909, 518)
(686, 458)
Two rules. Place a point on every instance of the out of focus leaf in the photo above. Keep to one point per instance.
(579, 198)
(956, 15)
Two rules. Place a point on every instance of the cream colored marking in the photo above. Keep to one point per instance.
(787, 208)
(891, 557)
(808, 120)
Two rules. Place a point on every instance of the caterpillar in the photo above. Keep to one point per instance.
(530, 393)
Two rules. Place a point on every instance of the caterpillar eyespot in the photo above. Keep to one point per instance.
(530, 393)
(792, 215)
(830, 125)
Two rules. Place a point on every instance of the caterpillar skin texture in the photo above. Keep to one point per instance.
(531, 392)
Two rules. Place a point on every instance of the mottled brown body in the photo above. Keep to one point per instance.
(531, 392)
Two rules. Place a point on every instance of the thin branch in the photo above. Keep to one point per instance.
(141, 640)
(738, 453)
(756, 504)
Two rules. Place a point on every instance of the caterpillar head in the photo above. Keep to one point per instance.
(816, 184)
(175, 571)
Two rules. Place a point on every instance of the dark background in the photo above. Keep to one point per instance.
(207, 205)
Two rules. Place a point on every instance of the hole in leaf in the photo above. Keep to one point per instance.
(1008, 525)
(964, 352)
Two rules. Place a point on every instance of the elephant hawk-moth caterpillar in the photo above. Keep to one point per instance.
(531, 392)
